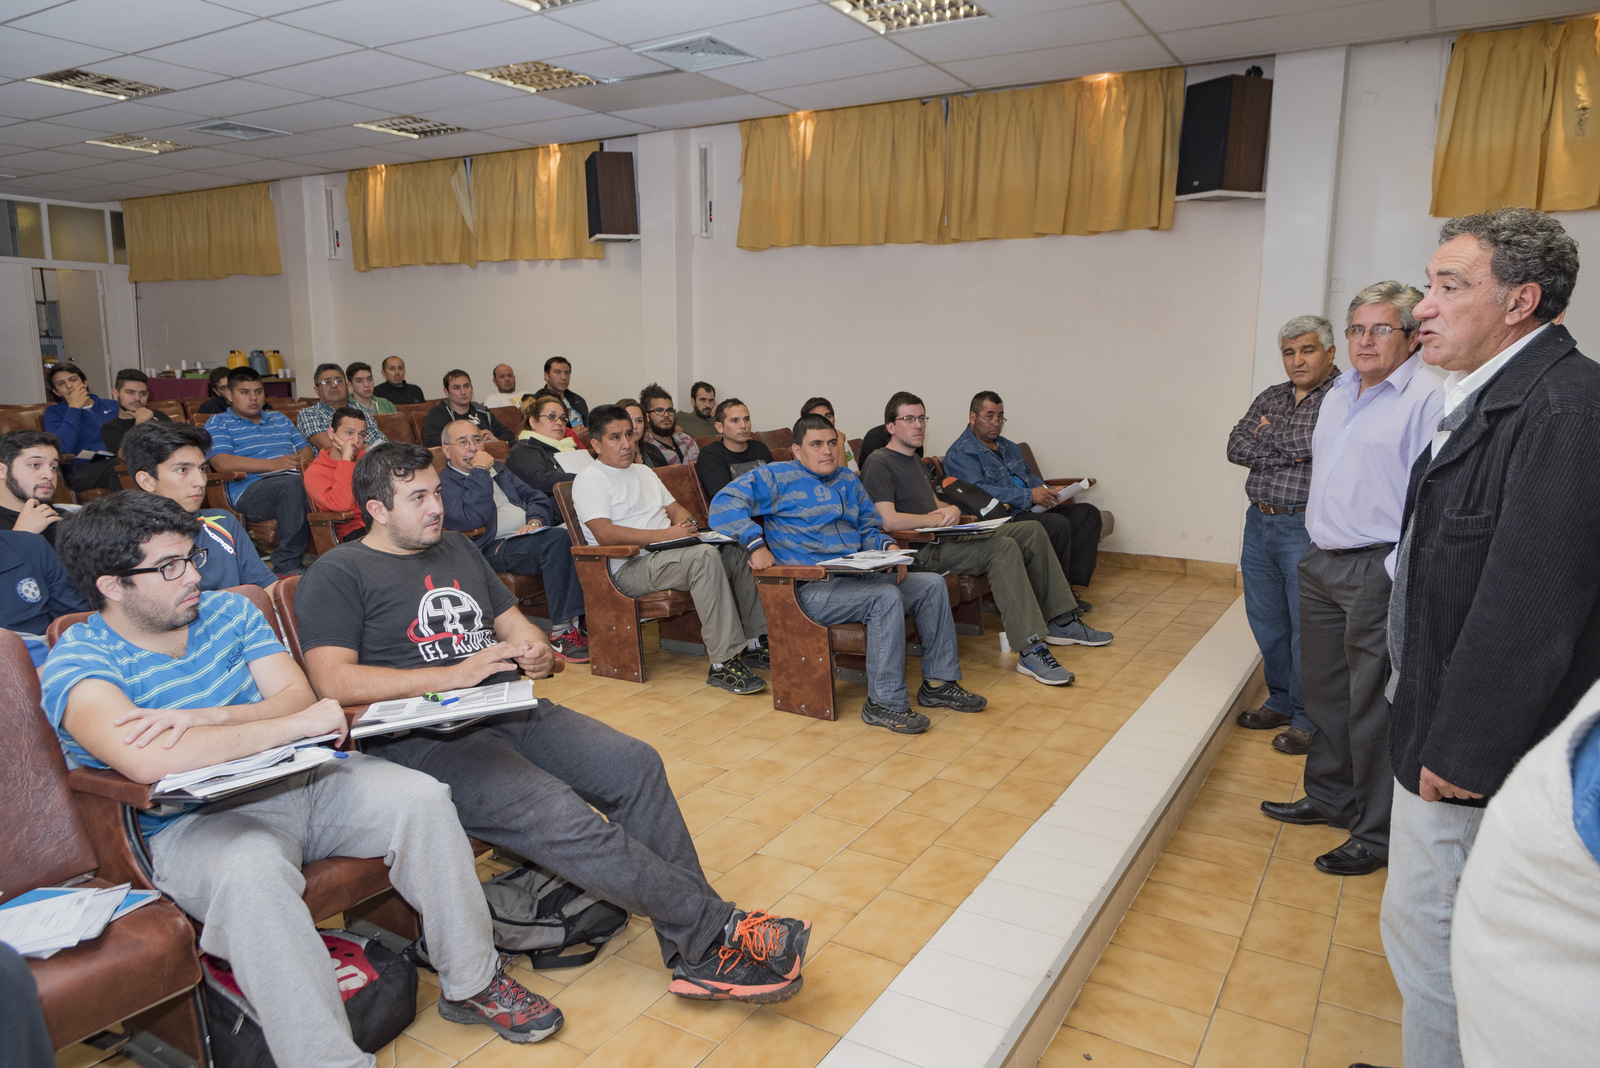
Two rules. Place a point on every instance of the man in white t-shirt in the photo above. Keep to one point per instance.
(620, 502)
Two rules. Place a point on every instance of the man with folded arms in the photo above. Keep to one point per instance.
(315, 422)
(267, 448)
(76, 420)
(413, 608)
(811, 511)
(31, 460)
(734, 452)
(165, 678)
(1029, 586)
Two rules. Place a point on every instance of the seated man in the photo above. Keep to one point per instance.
(34, 589)
(328, 477)
(875, 439)
(698, 421)
(315, 422)
(644, 451)
(132, 392)
(1029, 587)
(414, 608)
(661, 427)
(76, 420)
(797, 531)
(620, 502)
(32, 463)
(363, 390)
(516, 539)
(165, 678)
(219, 400)
(394, 388)
(558, 378)
(535, 457)
(842, 456)
(458, 404)
(506, 394)
(735, 451)
(169, 459)
(267, 448)
(984, 458)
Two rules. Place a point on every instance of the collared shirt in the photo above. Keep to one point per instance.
(1365, 443)
(273, 436)
(1001, 471)
(379, 406)
(318, 419)
(1279, 454)
(1459, 388)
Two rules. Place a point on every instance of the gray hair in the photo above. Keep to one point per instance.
(1397, 295)
(1527, 245)
(1307, 324)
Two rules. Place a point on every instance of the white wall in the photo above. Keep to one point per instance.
(201, 321)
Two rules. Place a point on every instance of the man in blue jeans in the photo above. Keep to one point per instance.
(813, 511)
(1274, 441)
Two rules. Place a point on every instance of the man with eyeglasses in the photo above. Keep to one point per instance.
(363, 390)
(1373, 424)
(661, 427)
(316, 422)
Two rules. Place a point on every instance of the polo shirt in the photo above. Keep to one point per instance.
(235, 435)
(318, 419)
(231, 557)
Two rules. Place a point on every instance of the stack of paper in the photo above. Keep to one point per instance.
(386, 717)
(982, 526)
(43, 922)
(232, 776)
(870, 560)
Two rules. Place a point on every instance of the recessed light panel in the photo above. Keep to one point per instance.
(887, 16)
(540, 5)
(409, 126)
(704, 52)
(239, 131)
(533, 77)
(83, 81)
(135, 143)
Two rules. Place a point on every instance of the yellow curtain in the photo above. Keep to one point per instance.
(209, 233)
(531, 204)
(871, 175)
(410, 213)
(1077, 157)
(1572, 141)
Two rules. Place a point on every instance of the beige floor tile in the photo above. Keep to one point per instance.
(1367, 887)
(1013, 741)
(500, 1054)
(1216, 879)
(1291, 933)
(1356, 925)
(1361, 981)
(406, 1052)
(1220, 914)
(605, 1001)
(985, 832)
(942, 799)
(707, 805)
(688, 775)
(1176, 941)
(894, 926)
(979, 769)
(728, 841)
(1266, 764)
(802, 747)
(758, 882)
(1272, 989)
(1306, 844)
(1077, 738)
(1253, 786)
(941, 745)
(1235, 1041)
(1291, 882)
(904, 771)
(851, 880)
(841, 983)
(1072, 1048)
(828, 774)
(900, 836)
(1162, 979)
(1340, 1038)
(1102, 716)
(774, 725)
(649, 1041)
(813, 840)
(1262, 832)
(731, 750)
(1028, 798)
(1219, 851)
(452, 1039)
(779, 806)
(943, 875)
(767, 1040)
(1139, 1022)
(1054, 766)
(753, 776)
(826, 920)
(862, 803)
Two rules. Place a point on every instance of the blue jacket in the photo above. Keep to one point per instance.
(34, 587)
(1006, 476)
(79, 428)
(809, 518)
(469, 501)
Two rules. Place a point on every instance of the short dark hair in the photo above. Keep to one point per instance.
(811, 422)
(108, 536)
(601, 418)
(816, 402)
(13, 442)
(731, 402)
(149, 445)
(130, 374)
(450, 376)
(356, 368)
(891, 411)
(652, 392)
(698, 386)
(347, 412)
(321, 367)
(218, 376)
(378, 468)
(242, 374)
(552, 361)
(51, 372)
(981, 397)
(1525, 245)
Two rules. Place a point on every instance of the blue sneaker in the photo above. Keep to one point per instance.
(1039, 663)
(1076, 632)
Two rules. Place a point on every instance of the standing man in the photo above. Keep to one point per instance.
(1274, 441)
(732, 454)
(394, 388)
(76, 420)
(506, 394)
(661, 427)
(32, 463)
(267, 448)
(699, 421)
(362, 386)
(557, 376)
(316, 422)
(1496, 607)
(458, 404)
(132, 393)
(1373, 424)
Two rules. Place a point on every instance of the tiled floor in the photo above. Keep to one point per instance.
(876, 838)
(1237, 953)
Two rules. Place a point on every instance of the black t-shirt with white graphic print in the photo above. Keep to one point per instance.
(431, 608)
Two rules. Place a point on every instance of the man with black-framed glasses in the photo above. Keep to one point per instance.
(661, 427)
(333, 392)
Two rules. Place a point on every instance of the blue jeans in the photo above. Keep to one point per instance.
(548, 554)
(876, 601)
(1273, 546)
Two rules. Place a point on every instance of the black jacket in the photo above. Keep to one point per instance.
(442, 415)
(535, 463)
(1502, 608)
(405, 393)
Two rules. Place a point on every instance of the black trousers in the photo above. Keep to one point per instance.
(1074, 531)
(1344, 662)
(24, 1038)
(100, 473)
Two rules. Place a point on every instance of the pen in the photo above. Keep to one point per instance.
(440, 699)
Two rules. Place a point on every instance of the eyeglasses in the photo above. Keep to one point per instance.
(1379, 332)
(915, 420)
(663, 411)
(992, 417)
(552, 415)
(331, 382)
(172, 570)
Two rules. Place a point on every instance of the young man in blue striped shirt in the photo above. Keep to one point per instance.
(267, 448)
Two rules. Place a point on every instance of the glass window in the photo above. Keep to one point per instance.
(119, 240)
(78, 234)
(21, 233)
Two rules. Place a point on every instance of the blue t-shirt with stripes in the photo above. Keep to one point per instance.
(213, 671)
(235, 435)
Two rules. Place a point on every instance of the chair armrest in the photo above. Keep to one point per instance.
(616, 552)
(795, 572)
(475, 532)
(111, 785)
(912, 537)
(224, 476)
(330, 517)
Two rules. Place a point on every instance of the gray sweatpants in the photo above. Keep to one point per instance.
(718, 579)
(235, 866)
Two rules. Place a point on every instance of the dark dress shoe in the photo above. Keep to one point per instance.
(1293, 741)
(1262, 719)
(1352, 858)
(1303, 811)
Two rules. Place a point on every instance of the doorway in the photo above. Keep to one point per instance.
(70, 308)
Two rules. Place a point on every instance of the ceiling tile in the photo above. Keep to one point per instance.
(15, 9)
(677, 87)
(560, 131)
(122, 171)
(193, 159)
(154, 72)
(352, 158)
(869, 89)
(266, 170)
(311, 115)
(1008, 8)
(1056, 64)
(461, 144)
(349, 74)
(705, 112)
(994, 36)
(112, 193)
(127, 27)
(814, 26)
(40, 135)
(531, 108)
(186, 182)
(128, 116)
(1456, 14)
(24, 100)
(382, 22)
(630, 21)
(607, 63)
(265, 8)
(283, 147)
(871, 56)
(225, 99)
(446, 91)
(87, 154)
(1312, 29)
(518, 41)
(40, 184)
(260, 46)
(24, 55)
(1164, 15)
(45, 161)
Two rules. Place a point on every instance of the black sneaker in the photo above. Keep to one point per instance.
(775, 941)
(950, 695)
(727, 974)
(734, 677)
(760, 657)
(515, 1013)
(907, 722)
(571, 645)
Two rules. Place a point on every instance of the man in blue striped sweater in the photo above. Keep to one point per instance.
(813, 511)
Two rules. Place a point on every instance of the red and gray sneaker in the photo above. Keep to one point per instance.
(728, 974)
(515, 1012)
(776, 941)
(571, 645)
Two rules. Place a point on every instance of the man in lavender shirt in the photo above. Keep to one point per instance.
(1372, 426)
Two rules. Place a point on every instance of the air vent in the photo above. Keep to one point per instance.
(83, 81)
(239, 131)
(887, 16)
(698, 53)
(533, 77)
(409, 126)
(135, 143)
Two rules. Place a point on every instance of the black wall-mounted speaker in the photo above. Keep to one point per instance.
(1224, 139)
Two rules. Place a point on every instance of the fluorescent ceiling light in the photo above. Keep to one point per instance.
(105, 85)
(540, 5)
(887, 16)
(409, 126)
(703, 52)
(533, 76)
(135, 143)
(239, 131)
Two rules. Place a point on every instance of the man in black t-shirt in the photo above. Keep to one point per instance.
(734, 453)
(413, 608)
(132, 393)
(30, 461)
(394, 388)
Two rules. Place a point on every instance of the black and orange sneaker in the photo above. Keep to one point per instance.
(728, 974)
(776, 941)
(515, 1012)
(571, 645)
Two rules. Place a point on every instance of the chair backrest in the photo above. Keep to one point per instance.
(935, 466)
(772, 439)
(511, 417)
(683, 482)
(198, 418)
(191, 407)
(24, 417)
(497, 448)
(171, 409)
(705, 439)
(254, 594)
(398, 428)
(283, 606)
(1027, 454)
(423, 407)
(855, 450)
(418, 420)
(41, 834)
(780, 453)
(569, 515)
(290, 408)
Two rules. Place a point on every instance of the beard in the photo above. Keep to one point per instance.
(154, 617)
(15, 489)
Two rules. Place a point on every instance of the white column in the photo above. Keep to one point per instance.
(301, 206)
(666, 260)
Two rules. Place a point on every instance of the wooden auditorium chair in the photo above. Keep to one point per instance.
(1108, 522)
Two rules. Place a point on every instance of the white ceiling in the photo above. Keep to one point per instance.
(313, 69)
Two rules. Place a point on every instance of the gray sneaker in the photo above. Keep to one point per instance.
(1041, 665)
(907, 722)
(1077, 632)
